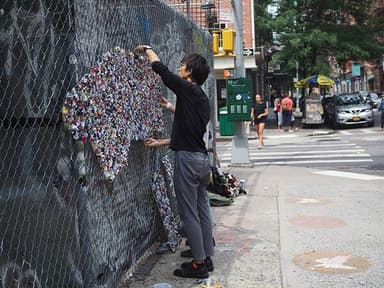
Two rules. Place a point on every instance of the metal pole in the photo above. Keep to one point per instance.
(240, 152)
(297, 89)
(188, 10)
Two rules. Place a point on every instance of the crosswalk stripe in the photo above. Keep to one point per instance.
(327, 149)
(344, 132)
(339, 146)
(288, 162)
(303, 156)
(314, 161)
(350, 175)
(356, 132)
(314, 152)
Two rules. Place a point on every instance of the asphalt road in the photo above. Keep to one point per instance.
(359, 149)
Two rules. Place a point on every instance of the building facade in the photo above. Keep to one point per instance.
(364, 75)
(218, 18)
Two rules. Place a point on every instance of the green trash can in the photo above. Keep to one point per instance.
(227, 128)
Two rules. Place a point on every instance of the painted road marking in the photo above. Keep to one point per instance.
(349, 175)
(340, 146)
(313, 162)
(264, 163)
(287, 153)
(260, 157)
(356, 132)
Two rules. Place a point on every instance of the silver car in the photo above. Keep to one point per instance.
(348, 110)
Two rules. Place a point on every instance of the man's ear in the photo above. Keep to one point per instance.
(189, 72)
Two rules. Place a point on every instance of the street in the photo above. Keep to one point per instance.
(355, 150)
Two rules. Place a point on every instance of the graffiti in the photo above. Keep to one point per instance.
(30, 33)
(62, 224)
(12, 275)
(169, 43)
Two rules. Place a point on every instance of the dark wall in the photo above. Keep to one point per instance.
(61, 223)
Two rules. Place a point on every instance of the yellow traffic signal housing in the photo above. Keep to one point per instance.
(228, 36)
(215, 45)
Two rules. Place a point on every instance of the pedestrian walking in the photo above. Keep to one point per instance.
(259, 114)
(192, 169)
(381, 108)
(287, 105)
(276, 110)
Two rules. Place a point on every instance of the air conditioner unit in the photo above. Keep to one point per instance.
(219, 26)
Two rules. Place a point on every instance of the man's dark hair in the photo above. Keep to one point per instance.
(199, 67)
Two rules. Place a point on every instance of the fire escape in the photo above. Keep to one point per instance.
(204, 13)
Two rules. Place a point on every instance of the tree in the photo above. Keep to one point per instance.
(312, 31)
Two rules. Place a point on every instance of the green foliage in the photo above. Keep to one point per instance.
(310, 31)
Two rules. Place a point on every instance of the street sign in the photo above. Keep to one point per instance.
(239, 99)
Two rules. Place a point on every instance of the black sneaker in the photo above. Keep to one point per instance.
(186, 253)
(208, 263)
(192, 270)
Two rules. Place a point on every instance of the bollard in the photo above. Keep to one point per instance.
(242, 184)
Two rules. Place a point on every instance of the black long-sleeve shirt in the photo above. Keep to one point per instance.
(192, 111)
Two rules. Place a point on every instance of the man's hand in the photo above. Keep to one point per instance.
(139, 49)
(163, 102)
(147, 50)
(151, 142)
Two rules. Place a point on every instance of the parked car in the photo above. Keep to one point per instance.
(370, 97)
(373, 99)
(364, 93)
(348, 109)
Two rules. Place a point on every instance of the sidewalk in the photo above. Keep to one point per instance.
(257, 242)
(247, 242)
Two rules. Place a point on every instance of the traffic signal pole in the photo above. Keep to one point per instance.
(240, 152)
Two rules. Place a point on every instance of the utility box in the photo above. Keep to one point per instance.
(239, 99)
(227, 128)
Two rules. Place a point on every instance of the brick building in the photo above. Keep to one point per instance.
(371, 76)
(217, 16)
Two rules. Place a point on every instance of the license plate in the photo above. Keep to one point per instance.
(356, 118)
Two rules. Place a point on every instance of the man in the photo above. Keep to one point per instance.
(381, 108)
(192, 171)
(286, 106)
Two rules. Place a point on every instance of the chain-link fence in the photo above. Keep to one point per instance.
(62, 222)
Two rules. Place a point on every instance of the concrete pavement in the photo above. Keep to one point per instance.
(296, 227)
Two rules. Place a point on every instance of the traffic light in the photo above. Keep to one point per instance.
(215, 45)
(228, 36)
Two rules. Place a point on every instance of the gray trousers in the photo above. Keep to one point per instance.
(191, 177)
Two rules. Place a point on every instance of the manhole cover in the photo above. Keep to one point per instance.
(331, 262)
(317, 221)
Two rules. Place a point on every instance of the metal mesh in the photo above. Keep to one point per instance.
(62, 224)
